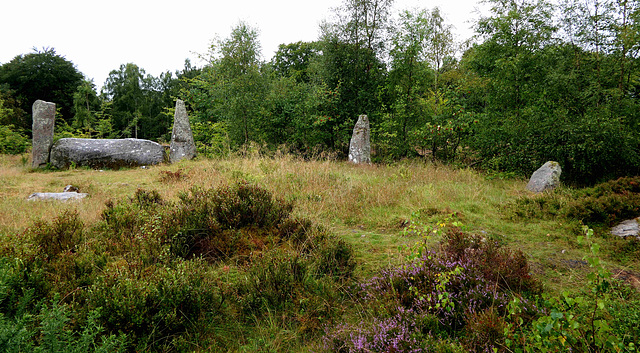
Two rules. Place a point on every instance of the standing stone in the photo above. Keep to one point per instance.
(545, 178)
(360, 145)
(42, 128)
(182, 144)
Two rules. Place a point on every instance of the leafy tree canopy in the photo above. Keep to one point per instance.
(41, 75)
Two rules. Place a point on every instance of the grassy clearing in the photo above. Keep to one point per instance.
(381, 211)
(367, 205)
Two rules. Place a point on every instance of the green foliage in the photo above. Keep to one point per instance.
(603, 204)
(458, 292)
(12, 141)
(43, 75)
(137, 102)
(57, 337)
(51, 330)
(158, 305)
(549, 97)
(164, 287)
(62, 235)
(579, 323)
(212, 139)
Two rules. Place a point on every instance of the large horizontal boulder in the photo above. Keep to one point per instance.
(56, 196)
(105, 153)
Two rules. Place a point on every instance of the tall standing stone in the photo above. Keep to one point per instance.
(545, 178)
(42, 129)
(360, 145)
(182, 144)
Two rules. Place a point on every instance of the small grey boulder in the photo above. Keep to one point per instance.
(545, 178)
(628, 228)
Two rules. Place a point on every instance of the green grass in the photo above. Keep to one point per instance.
(370, 207)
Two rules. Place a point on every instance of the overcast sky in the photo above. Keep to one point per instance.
(99, 36)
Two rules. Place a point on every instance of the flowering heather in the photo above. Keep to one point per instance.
(435, 296)
(393, 334)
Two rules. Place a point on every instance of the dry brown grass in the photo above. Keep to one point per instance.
(328, 192)
(367, 205)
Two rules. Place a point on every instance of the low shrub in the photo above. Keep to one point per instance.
(60, 236)
(54, 329)
(484, 331)
(12, 141)
(440, 294)
(229, 222)
(604, 204)
(167, 176)
(156, 305)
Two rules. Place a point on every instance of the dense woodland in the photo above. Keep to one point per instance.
(540, 81)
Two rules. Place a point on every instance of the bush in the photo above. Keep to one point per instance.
(62, 235)
(227, 222)
(11, 141)
(442, 294)
(157, 305)
(485, 331)
(604, 204)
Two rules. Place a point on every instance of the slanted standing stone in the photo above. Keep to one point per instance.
(360, 145)
(107, 153)
(545, 178)
(182, 144)
(42, 128)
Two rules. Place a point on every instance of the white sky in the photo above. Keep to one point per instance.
(99, 36)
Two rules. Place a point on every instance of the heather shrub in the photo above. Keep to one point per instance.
(156, 305)
(274, 281)
(604, 204)
(167, 176)
(56, 256)
(504, 267)
(126, 218)
(229, 222)
(335, 257)
(60, 236)
(484, 331)
(392, 334)
(438, 295)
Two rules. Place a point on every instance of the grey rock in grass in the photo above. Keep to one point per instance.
(71, 188)
(182, 143)
(56, 196)
(44, 114)
(628, 228)
(546, 178)
(360, 145)
(106, 153)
